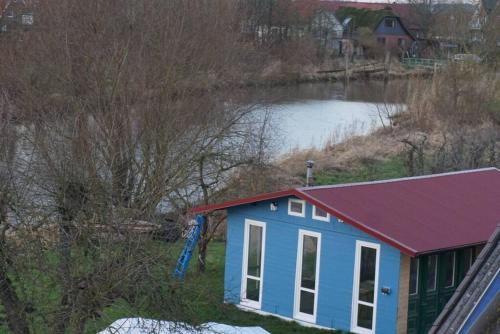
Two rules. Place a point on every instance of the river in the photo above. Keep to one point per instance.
(310, 115)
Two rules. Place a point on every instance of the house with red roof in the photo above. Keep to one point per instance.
(373, 257)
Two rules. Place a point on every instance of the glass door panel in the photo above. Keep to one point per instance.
(365, 287)
(307, 276)
(251, 290)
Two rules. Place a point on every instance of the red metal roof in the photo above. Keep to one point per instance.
(416, 215)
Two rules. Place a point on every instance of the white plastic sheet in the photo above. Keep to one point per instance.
(150, 326)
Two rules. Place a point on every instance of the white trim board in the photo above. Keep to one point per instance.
(264, 313)
(355, 289)
(298, 277)
(244, 274)
(296, 214)
(315, 217)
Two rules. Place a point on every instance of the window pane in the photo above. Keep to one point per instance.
(253, 289)
(413, 275)
(365, 316)
(306, 302)
(431, 272)
(254, 250)
(468, 255)
(449, 270)
(320, 213)
(296, 207)
(309, 250)
(367, 274)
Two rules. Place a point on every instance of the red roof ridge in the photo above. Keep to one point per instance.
(358, 224)
(465, 204)
(408, 178)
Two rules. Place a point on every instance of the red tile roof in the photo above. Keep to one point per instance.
(416, 215)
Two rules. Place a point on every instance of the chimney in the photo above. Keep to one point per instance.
(309, 174)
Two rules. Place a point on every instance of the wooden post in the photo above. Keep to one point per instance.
(404, 286)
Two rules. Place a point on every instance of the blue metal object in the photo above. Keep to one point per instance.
(191, 242)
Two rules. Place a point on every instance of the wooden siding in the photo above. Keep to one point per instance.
(338, 246)
(425, 306)
(404, 285)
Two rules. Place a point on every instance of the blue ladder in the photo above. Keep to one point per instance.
(191, 241)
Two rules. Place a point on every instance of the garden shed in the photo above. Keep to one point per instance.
(367, 257)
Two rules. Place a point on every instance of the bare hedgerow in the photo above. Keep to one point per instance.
(114, 113)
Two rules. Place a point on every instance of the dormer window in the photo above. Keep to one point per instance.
(296, 207)
(390, 23)
(27, 19)
(320, 214)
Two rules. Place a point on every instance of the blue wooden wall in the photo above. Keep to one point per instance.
(338, 246)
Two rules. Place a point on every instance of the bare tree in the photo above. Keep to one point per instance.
(124, 109)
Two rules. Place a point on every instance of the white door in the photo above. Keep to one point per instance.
(364, 299)
(307, 276)
(253, 264)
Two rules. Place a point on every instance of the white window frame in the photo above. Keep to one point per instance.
(294, 200)
(418, 277)
(453, 274)
(27, 19)
(355, 290)
(325, 219)
(244, 269)
(434, 288)
(471, 256)
(298, 278)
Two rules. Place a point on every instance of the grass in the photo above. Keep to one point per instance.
(199, 299)
(203, 295)
(370, 171)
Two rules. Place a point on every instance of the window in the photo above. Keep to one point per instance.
(390, 23)
(365, 287)
(449, 270)
(296, 207)
(401, 42)
(307, 275)
(381, 40)
(431, 272)
(469, 255)
(253, 264)
(27, 19)
(10, 14)
(320, 214)
(414, 266)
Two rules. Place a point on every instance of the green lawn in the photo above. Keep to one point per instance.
(370, 171)
(202, 296)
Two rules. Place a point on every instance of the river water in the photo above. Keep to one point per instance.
(313, 114)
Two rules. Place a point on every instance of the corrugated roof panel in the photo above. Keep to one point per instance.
(416, 215)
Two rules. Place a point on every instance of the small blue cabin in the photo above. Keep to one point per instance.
(366, 257)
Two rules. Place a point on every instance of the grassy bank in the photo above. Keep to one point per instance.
(391, 168)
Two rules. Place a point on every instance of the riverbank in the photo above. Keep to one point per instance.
(451, 122)
(279, 74)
